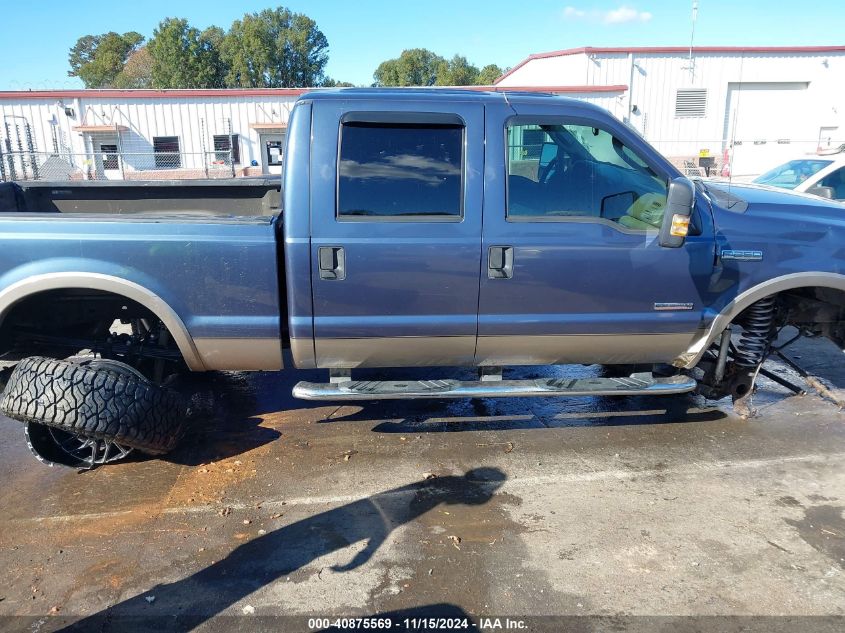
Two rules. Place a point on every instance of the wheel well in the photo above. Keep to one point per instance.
(814, 309)
(69, 314)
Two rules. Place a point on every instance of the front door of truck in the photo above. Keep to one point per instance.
(572, 271)
(396, 231)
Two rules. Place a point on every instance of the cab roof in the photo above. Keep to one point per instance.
(432, 94)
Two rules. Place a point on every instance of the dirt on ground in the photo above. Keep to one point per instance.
(619, 512)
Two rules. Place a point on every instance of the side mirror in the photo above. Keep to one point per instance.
(679, 203)
(822, 192)
(548, 152)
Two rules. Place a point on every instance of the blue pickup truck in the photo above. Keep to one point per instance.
(417, 228)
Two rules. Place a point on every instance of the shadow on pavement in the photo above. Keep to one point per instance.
(187, 603)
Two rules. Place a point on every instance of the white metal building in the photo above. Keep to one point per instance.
(161, 134)
(142, 134)
(744, 109)
(758, 106)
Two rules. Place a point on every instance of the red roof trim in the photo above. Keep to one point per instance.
(150, 94)
(555, 89)
(592, 50)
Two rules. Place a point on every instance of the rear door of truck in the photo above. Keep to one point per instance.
(396, 193)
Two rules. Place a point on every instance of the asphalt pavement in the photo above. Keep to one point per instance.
(277, 513)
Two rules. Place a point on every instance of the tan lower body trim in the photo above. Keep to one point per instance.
(245, 354)
(302, 353)
(450, 351)
(587, 349)
(407, 351)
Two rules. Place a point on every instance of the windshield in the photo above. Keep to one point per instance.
(791, 174)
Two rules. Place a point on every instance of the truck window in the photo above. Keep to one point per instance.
(836, 181)
(404, 171)
(561, 172)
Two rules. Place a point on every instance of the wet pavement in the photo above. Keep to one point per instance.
(620, 507)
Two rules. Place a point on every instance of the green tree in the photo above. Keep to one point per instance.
(422, 67)
(413, 67)
(184, 57)
(137, 71)
(274, 48)
(98, 59)
(82, 53)
(328, 82)
(456, 72)
(488, 74)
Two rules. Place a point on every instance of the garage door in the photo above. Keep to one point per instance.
(767, 124)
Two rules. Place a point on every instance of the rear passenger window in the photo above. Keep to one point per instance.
(400, 171)
(562, 171)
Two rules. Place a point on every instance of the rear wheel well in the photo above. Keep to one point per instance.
(52, 322)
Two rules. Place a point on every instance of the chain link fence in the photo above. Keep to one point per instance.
(52, 166)
(712, 158)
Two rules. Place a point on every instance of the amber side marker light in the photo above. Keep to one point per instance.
(680, 225)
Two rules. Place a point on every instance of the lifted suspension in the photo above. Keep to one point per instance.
(751, 350)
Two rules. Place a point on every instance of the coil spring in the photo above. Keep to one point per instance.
(756, 335)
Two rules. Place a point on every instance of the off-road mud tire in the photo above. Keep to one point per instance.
(97, 403)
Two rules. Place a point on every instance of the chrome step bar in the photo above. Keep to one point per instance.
(633, 385)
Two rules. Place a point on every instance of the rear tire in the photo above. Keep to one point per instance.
(99, 401)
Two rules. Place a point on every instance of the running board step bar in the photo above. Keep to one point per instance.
(634, 385)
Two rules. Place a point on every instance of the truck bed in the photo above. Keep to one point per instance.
(235, 197)
(211, 274)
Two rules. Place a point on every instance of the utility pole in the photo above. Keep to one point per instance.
(691, 65)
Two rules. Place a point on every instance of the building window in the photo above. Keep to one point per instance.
(400, 171)
(109, 153)
(167, 154)
(532, 142)
(691, 102)
(223, 144)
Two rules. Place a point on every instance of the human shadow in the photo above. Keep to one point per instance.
(189, 602)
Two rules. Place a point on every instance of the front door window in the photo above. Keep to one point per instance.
(560, 172)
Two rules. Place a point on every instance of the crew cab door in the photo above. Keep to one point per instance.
(572, 269)
(396, 231)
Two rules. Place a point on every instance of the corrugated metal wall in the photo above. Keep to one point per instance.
(790, 124)
(195, 121)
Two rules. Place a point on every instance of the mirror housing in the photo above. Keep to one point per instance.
(822, 192)
(679, 204)
(548, 152)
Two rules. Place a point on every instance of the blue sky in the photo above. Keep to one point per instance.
(36, 36)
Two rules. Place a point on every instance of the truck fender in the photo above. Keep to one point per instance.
(769, 287)
(35, 284)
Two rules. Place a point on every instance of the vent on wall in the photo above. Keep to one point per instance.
(691, 102)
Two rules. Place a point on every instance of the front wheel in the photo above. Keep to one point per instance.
(97, 399)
